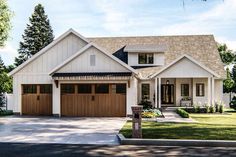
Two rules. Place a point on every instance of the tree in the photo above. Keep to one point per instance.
(228, 83)
(37, 35)
(2, 66)
(5, 22)
(226, 55)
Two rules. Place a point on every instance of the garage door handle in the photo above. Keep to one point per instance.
(93, 98)
(38, 97)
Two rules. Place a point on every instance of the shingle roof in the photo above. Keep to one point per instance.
(145, 48)
(202, 48)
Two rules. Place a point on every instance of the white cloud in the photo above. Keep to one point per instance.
(8, 54)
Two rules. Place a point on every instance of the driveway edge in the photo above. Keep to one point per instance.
(175, 142)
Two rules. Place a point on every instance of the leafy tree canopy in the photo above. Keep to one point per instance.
(227, 56)
(5, 22)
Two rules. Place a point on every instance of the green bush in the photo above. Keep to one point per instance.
(207, 109)
(217, 107)
(198, 109)
(146, 104)
(233, 103)
(182, 113)
(221, 108)
(6, 112)
(212, 109)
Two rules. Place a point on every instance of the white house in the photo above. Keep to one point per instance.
(78, 76)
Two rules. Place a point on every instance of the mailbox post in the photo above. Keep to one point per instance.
(137, 119)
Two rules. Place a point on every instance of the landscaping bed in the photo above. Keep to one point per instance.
(209, 127)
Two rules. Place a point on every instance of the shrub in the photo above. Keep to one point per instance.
(207, 109)
(233, 103)
(221, 108)
(182, 113)
(198, 109)
(6, 112)
(212, 109)
(146, 104)
(217, 107)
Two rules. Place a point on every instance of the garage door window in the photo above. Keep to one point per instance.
(84, 88)
(67, 89)
(46, 89)
(29, 89)
(102, 88)
(121, 88)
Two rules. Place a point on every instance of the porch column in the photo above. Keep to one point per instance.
(209, 91)
(159, 92)
(212, 90)
(155, 92)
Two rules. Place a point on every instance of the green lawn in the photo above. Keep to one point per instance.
(210, 127)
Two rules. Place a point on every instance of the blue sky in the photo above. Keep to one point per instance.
(127, 18)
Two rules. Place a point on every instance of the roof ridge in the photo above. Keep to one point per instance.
(145, 36)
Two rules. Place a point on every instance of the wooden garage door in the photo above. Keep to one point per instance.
(37, 99)
(93, 100)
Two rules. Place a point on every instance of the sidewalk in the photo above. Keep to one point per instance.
(171, 116)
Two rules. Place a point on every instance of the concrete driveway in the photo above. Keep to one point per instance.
(60, 130)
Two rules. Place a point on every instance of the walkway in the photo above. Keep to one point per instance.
(171, 116)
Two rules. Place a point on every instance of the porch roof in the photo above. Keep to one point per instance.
(92, 76)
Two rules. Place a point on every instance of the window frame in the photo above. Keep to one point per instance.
(183, 87)
(63, 92)
(96, 89)
(148, 91)
(47, 92)
(147, 57)
(32, 89)
(86, 92)
(198, 90)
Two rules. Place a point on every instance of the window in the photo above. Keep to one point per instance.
(29, 89)
(102, 88)
(145, 91)
(121, 88)
(84, 88)
(184, 89)
(199, 89)
(145, 58)
(92, 60)
(46, 89)
(67, 88)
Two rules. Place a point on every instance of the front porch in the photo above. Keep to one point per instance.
(184, 82)
(173, 92)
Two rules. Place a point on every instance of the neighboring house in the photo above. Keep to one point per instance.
(105, 76)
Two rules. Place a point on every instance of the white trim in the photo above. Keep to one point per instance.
(83, 50)
(191, 59)
(47, 48)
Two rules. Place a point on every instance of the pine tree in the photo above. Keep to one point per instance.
(37, 35)
(2, 66)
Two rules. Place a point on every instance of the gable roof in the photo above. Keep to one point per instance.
(201, 48)
(47, 48)
(81, 51)
(191, 59)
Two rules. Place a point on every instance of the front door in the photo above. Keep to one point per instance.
(167, 94)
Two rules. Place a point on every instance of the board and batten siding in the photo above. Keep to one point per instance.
(37, 71)
(103, 63)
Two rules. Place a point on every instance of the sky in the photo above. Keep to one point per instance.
(127, 18)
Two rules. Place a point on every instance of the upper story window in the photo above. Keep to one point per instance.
(145, 58)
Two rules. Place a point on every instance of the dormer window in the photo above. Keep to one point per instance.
(145, 58)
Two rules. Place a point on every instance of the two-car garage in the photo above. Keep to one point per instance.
(84, 100)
